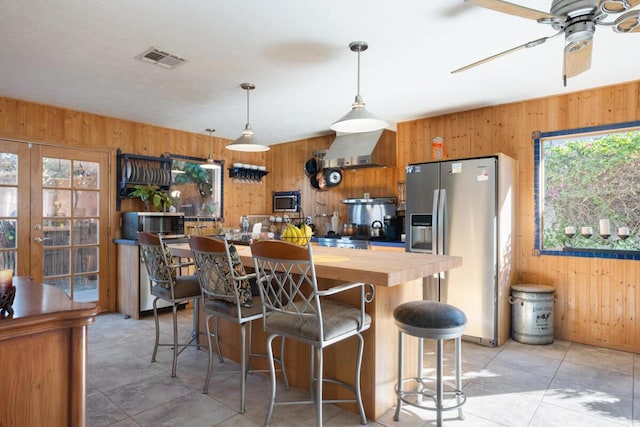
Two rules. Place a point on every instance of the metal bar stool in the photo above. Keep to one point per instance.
(437, 321)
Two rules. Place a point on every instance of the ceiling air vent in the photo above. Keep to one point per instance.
(158, 57)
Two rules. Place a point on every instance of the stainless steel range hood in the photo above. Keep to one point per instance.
(358, 150)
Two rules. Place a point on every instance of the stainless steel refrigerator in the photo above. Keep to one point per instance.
(466, 207)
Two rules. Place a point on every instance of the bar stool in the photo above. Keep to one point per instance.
(437, 321)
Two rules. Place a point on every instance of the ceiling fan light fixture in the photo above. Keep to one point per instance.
(246, 142)
(358, 119)
(210, 163)
(580, 31)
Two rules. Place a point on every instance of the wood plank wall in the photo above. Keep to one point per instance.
(598, 300)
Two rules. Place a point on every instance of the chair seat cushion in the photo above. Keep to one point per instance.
(230, 310)
(185, 287)
(430, 319)
(339, 320)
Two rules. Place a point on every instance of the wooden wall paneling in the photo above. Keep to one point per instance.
(453, 133)
(8, 116)
(118, 133)
(143, 134)
(596, 299)
(629, 293)
(412, 145)
(609, 303)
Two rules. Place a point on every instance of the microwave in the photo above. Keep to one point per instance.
(286, 201)
(165, 223)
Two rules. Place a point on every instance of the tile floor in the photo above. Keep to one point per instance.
(561, 384)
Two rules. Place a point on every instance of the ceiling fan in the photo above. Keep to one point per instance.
(576, 19)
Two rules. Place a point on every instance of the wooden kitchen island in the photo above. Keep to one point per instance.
(43, 352)
(397, 277)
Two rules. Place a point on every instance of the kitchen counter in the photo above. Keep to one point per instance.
(397, 277)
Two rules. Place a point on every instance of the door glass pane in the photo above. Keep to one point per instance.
(85, 203)
(85, 288)
(56, 202)
(56, 262)
(8, 254)
(9, 204)
(56, 232)
(56, 172)
(85, 174)
(85, 231)
(85, 260)
(8, 169)
(59, 282)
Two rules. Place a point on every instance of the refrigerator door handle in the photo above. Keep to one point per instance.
(434, 222)
(442, 205)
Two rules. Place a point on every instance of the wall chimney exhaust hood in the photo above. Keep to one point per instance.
(360, 150)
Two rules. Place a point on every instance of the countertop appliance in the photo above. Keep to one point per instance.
(285, 201)
(165, 223)
(466, 208)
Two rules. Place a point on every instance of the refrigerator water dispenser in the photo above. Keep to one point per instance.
(421, 233)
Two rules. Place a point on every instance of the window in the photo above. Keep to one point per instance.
(196, 191)
(587, 192)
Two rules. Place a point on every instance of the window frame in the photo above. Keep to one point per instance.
(538, 250)
(202, 160)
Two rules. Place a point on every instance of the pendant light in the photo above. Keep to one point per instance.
(210, 163)
(358, 119)
(246, 142)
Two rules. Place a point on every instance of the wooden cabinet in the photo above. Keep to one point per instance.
(43, 351)
(134, 293)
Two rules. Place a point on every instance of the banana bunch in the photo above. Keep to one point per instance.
(300, 235)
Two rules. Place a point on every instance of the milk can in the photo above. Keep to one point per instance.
(532, 313)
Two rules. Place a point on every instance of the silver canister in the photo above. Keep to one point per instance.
(532, 313)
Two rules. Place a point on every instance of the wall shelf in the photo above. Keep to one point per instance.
(247, 174)
(137, 169)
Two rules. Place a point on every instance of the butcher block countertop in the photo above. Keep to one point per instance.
(397, 277)
(358, 265)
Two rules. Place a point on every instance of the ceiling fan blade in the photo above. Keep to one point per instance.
(527, 45)
(577, 58)
(514, 9)
(628, 22)
(617, 6)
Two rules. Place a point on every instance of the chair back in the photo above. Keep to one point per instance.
(157, 259)
(287, 279)
(216, 273)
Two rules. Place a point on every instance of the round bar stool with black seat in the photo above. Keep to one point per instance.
(437, 321)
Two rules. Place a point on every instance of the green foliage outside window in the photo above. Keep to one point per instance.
(588, 178)
(196, 191)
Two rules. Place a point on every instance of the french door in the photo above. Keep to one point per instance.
(54, 217)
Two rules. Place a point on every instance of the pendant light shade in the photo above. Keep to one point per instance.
(358, 119)
(210, 163)
(247, 142)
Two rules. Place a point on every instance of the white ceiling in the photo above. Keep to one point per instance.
(79, 54)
